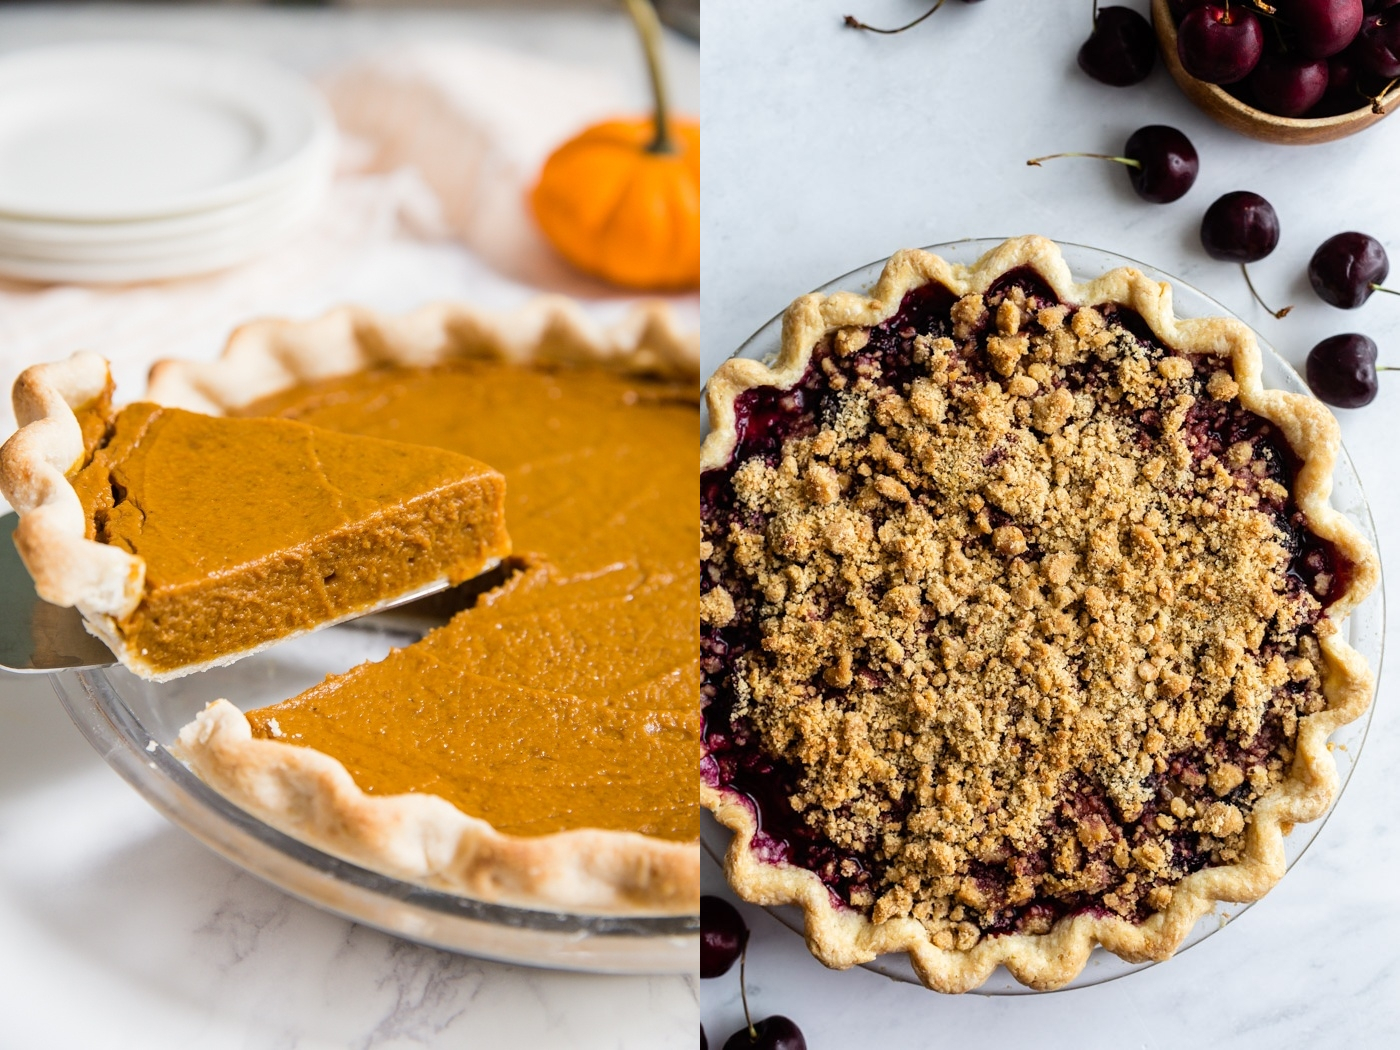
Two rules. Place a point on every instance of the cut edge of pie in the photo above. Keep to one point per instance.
(311, 795)
(841, 937)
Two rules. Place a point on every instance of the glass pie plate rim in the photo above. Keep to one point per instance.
(128, 724)
(1365, 627)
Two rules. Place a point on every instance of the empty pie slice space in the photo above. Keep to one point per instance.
(189, 540)
(539, 747)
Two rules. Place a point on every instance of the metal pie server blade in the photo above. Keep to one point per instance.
(34, 635)
(38, 638)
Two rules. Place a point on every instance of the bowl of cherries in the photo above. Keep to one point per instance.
(1289, 71)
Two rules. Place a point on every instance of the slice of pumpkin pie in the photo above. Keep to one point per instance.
(188, 540)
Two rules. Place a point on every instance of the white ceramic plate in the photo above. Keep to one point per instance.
(252, 227)
(128, 263)
(46, 238)
(120, 131)
(1365, 628)
(116, 242)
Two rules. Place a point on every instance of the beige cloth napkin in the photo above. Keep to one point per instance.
(478, 124)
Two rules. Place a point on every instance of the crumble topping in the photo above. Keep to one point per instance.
(1031, 643)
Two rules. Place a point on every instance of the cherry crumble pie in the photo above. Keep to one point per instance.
(1020, 607)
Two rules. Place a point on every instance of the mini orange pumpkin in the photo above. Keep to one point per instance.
(621, 200)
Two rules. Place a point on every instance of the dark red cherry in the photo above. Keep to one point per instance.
(704, 1043)
(1240, 227)
(772, 1033)
(1347, 268)
(1162, 164)
(1322, 27)
(723, 935)
(1378, 44)
(1219, 45)
(1167, 163)
(1122, 48)
(1288, 86)
(1343, 87)
(1342, 370)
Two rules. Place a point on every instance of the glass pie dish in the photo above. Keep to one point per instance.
(1364, 629)
(132, 722)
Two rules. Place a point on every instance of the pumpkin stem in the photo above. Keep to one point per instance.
(649, 29)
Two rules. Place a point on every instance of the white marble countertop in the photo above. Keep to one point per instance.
(119, 930)
(826, 149)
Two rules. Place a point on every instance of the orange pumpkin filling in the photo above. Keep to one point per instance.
(567, 697)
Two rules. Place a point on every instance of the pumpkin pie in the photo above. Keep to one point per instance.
(189, 540)
(1021, 606)
(539, 747)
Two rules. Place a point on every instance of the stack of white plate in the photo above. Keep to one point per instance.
(131, 162)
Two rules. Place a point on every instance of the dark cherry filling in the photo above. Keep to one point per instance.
(734, 759)
(1212, 428)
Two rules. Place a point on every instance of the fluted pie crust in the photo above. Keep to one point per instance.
(839, 933)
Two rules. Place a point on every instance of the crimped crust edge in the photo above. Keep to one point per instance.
(426, 839)
(268, 356)
(68, 568)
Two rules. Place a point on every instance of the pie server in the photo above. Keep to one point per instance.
(37, 638)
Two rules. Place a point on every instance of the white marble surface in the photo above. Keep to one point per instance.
(117, 930)
(826, 149)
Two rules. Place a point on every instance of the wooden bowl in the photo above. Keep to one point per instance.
(1237, 116)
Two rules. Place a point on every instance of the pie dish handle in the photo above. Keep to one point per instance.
(68, 568)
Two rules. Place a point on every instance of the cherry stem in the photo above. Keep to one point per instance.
(744, 991)
(1387, 368)
(648, 25)
(1277, 313)
(856, 23)
(1034, 162)
(1266, 11)
(1381, 288)
(1376, 105)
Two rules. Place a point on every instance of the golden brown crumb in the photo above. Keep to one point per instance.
(1222, 387)
(717, 608)
(851, 340)
(985, 585)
